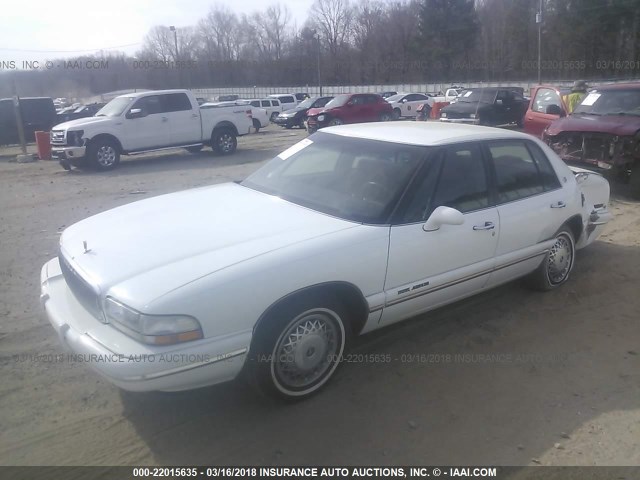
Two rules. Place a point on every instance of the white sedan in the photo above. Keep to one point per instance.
(350, 230)
(406, 104)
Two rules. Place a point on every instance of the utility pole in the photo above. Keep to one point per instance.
(316, 35)
(539, 23)
(175, 41)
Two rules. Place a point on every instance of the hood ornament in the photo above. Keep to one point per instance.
(84, 244)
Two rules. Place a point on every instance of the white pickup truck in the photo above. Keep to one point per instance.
(449, 95)
(147, 121)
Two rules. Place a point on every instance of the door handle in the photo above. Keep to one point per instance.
(195, 115)
(486, 226)
(164, 119)
(559, 204)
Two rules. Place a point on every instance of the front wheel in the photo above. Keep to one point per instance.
(558, 263)
(335, 121)
(224, 141)
(385, 117)
(297, 348)
(104, 154)
(396, 114)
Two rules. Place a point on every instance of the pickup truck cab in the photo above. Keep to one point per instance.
(146, 121)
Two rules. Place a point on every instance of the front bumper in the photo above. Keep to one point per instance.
(286, 122)
(127, 363)
(468, 121)
(68, 153)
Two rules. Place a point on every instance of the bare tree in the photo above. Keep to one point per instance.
(333, 18)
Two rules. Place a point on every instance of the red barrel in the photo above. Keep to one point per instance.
(44, 145)
(435, 110)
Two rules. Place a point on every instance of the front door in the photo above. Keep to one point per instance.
(431, 268)
(545, 107)
(149, 131)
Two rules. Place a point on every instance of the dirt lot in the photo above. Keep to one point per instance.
(551, 378)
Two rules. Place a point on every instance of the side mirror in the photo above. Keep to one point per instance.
(136, 113)
(404, 100)
(350, 103)
(554, 110)
(443, 216)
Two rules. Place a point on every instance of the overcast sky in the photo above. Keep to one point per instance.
(59, 29)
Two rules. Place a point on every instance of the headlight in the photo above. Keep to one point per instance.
(321, 118)
(473, 115)
(152, 329)
(443, 115)
(74, 137)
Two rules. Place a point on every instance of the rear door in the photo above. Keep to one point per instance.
(546, 106)
(413, 100)
(430, 268)
(531, 204)
(183, 119)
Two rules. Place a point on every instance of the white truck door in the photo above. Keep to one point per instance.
(184, 118)
(147, 129)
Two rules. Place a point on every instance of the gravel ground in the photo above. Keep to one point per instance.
(548, 379)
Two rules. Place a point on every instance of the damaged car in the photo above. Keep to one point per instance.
(603, 133)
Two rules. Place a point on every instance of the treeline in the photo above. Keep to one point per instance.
(366, 42)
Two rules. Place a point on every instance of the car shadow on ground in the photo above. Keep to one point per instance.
(497, 379)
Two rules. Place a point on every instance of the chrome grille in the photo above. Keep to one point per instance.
(84, 293)
(58, 137)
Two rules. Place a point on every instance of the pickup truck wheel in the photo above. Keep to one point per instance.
(256, 124)
(634, 181)
(224, 141)
(194, 149)
(297, 348)
(557, 264)
(396, 114)
(104, 154)
(273, 117)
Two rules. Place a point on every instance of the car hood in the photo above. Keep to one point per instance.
(465, 107)
(312, 112)
(622, 125)
(293, 111)
(183, 236)
(80, 122)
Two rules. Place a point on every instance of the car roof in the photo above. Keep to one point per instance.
(423, 133)
(618, 86)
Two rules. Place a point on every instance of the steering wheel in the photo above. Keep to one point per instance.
(374, 191)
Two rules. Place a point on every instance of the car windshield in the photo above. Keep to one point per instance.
(611, 102)
(395, 98)
(308, 102)
(338, 101)
(355, 179)
(479, 95)
(115, 107)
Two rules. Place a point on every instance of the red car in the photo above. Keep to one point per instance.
(349, 108)
(602, 133)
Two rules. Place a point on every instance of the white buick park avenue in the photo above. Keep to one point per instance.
(350, 230)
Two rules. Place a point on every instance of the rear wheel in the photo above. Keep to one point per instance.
(256, 124)
(103, 154)
(297, 347)
(557, 264)
(273, 117)
(224, 141)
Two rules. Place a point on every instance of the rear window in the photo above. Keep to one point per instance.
(176, 102)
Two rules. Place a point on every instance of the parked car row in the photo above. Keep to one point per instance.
(78, 111)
